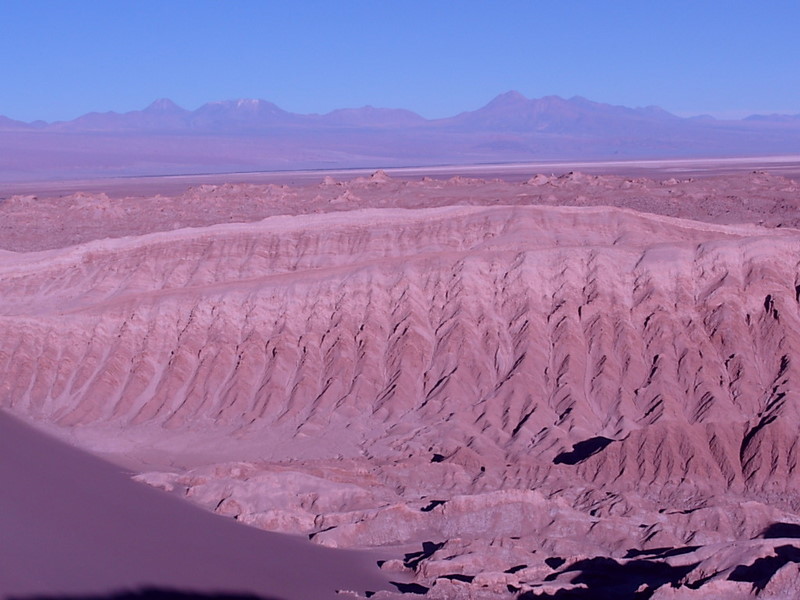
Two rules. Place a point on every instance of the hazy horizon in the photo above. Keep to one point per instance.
(725, 115)
(723, 59)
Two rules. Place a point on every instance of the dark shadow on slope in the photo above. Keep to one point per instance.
(748, 438)
(516, 568)
(606, 579)
(664, 552)
(554, 562)
(151, 594)
(458, 577)
(762, 570)
(411, 560)
(410, 588)
(582, 450)
(781, 530)
(433, 504)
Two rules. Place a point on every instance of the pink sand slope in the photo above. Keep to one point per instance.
(71, 525)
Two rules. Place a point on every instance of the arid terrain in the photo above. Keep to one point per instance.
(567, 386)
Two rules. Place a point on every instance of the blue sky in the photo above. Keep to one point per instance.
(61, 59)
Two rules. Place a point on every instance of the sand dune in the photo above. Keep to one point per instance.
(73, 526)
(512, 390)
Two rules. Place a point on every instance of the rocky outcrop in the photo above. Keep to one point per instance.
(533, 395)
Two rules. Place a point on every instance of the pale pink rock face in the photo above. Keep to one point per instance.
(557, 383)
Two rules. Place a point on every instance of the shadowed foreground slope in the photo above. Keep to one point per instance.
(74, 526)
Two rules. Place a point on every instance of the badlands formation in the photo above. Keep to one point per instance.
(574, 386)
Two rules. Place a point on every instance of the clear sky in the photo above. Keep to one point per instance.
(729, 58)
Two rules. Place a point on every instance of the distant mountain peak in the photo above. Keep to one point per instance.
(513, 101)
(372, 116)
(774, 117)
(163, 105)
(6, 123)
(511, 95)
(250, 103)
(244, 106)
(512, 98)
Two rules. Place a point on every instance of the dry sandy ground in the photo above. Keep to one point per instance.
(557, 386)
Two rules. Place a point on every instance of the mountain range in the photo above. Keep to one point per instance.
(236, 135)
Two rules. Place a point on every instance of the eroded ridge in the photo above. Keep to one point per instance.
(530, 389)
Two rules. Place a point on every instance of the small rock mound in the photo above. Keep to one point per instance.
(538, 179)
(380, 176)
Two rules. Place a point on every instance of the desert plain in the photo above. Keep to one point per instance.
(527, 381)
